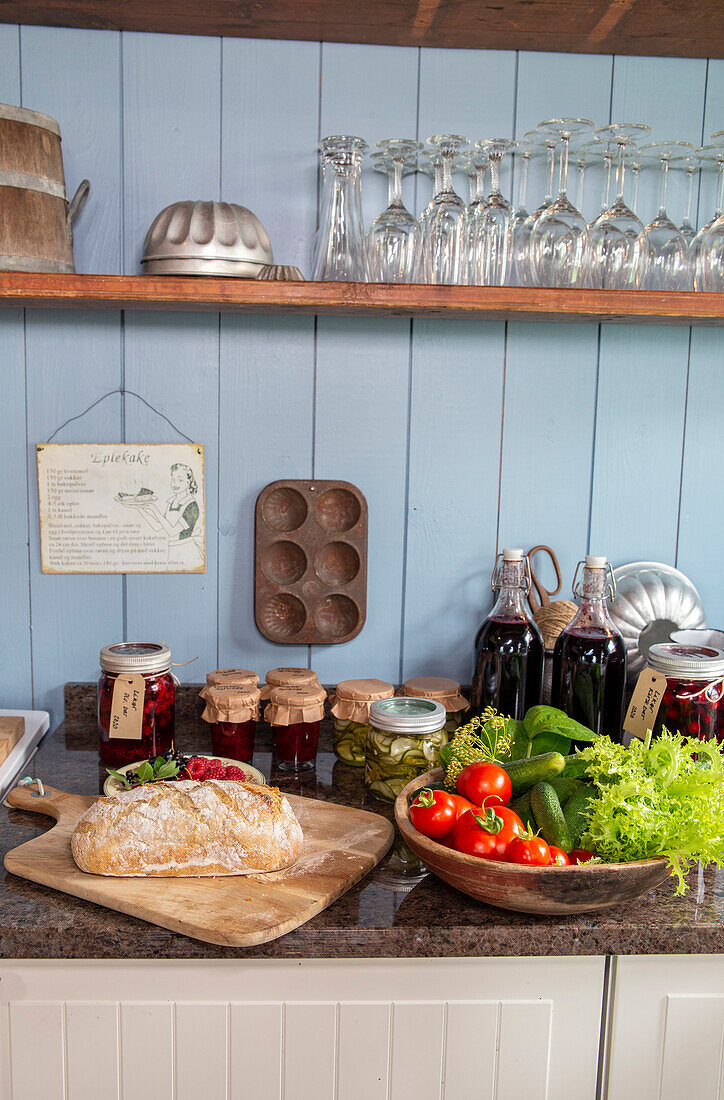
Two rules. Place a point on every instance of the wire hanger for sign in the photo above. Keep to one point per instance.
(122, 390)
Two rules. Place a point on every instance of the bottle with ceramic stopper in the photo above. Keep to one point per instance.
(508, 648)
(589, 659)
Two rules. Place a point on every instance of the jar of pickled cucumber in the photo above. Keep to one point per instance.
(288, 678)
(404, 741)
(447, 692)
(351, 717)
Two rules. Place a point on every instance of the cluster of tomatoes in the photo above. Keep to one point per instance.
(478, 821)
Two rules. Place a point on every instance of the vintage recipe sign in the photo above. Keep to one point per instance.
(122, 508)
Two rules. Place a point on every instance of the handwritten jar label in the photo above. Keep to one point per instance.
(644, 705)
(127, 707)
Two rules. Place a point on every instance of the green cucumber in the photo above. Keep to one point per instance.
(522, 807)
(575, 811)
(525, 773)
(575, 767)
(549, 816)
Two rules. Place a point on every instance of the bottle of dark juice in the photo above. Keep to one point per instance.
(589, 659)
(509, 647)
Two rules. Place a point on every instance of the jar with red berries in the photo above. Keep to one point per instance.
(136, 702)
(232, 712)
(294, 713)
(693, 702)
(288, 678)
(238, 677)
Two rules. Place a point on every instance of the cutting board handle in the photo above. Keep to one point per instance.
(27, 797)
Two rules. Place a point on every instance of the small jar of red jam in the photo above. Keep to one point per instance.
(238, 677)
(693, 703)
(136, 702)
(289, 678)
(294, 713)
(232, 711)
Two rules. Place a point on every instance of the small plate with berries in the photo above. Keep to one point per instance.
(174, 766)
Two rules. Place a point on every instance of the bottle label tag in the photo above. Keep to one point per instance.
(127, 707)
(645, 701)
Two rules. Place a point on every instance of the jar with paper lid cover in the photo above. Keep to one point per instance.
(294, 714)
(232, 711)
(350, 708)
(404, 741)
(288, 677)
(236, 677)
(693, 702)
(136, 702)
(445, 691)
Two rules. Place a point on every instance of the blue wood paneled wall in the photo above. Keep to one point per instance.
(464, 436)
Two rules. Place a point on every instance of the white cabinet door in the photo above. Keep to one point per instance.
(667, 1028)
(364, 1029)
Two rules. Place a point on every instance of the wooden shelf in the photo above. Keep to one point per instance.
(357, 299)
(663, 28)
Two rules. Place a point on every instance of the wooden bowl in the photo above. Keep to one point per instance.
(548, 891)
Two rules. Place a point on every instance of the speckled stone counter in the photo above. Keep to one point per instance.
(394, 913)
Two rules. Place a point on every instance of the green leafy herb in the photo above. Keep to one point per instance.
(147, 772)
(661, 798)
(542, 719)
(120, 777)
(483, 738)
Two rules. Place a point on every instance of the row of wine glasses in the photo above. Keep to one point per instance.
(489, 242)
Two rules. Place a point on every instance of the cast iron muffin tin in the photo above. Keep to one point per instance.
(310, 576)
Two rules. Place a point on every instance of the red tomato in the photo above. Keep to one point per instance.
(485, 784)
(463, 804)
(581, 855)
(528, 849)
(433, 813)
(558, 856)
(486, 834)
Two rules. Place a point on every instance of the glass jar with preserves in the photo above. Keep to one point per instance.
(288, 677)
(351, 717)
(136, 702)
(294, 713)
(693, 703)
(232, 712)
(447, 692)
(238, 677)
(404, 741)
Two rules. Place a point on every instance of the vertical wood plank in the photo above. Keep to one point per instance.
(255, 1051)
(310, 1040)
(416, 1067)
(36, 1027)
(470, 1049)
(91, 1043)
(523, 1067)
(692, 1047)
(147, 1056)
(172, 151)
(270, 113)
(201, 1051)
(363, 1051)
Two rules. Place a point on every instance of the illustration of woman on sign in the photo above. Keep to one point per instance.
(179, 520)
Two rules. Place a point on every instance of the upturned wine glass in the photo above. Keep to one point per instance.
(520, 273)
(490, 254)
(341, 253)
(690, 165)
(393, 239)
(558, 240)
(710, 261)
(523, 266)
(707, 155)
(661, 251)
(443, 239)
(475, 164)
(611, 250)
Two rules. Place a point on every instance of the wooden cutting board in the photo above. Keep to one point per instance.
(341, 845)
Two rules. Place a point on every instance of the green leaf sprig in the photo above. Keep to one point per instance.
(147, 772)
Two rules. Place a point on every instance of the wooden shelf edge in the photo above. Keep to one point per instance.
(219, 295)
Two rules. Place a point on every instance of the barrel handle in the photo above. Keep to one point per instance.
(78, 201)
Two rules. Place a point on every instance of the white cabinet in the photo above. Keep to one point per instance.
(667, 1028)
(377, 1029)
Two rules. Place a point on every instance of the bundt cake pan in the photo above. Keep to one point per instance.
(206, 238)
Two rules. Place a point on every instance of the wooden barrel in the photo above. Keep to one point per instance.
(35, 231)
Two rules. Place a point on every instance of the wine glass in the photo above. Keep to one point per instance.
(340, 253)
(707, 154)
(393, 239)
(711, 254)
(491, 252)
(523, 267)
(528, 147)
(661, 251)
(443, 241)
(430, 166)
(558, 239)
(475, 164)
(603, 151)
(611, 251)
(689, 164)
(582, 161)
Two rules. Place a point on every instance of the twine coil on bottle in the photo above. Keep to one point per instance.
(552, 618)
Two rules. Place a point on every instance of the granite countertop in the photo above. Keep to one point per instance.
(394, 912)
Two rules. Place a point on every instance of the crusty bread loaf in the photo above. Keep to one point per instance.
(216, 827)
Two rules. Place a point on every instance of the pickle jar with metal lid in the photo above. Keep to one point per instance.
(232, 711)
(236, 677)
(351, 717)
(288, 677)
(404, 741)
(445, 691)
(136, 702)
(294, 713)
(693, 703)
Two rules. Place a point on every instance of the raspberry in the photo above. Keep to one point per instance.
(215, 770)
(196, 768)
(232, 772)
